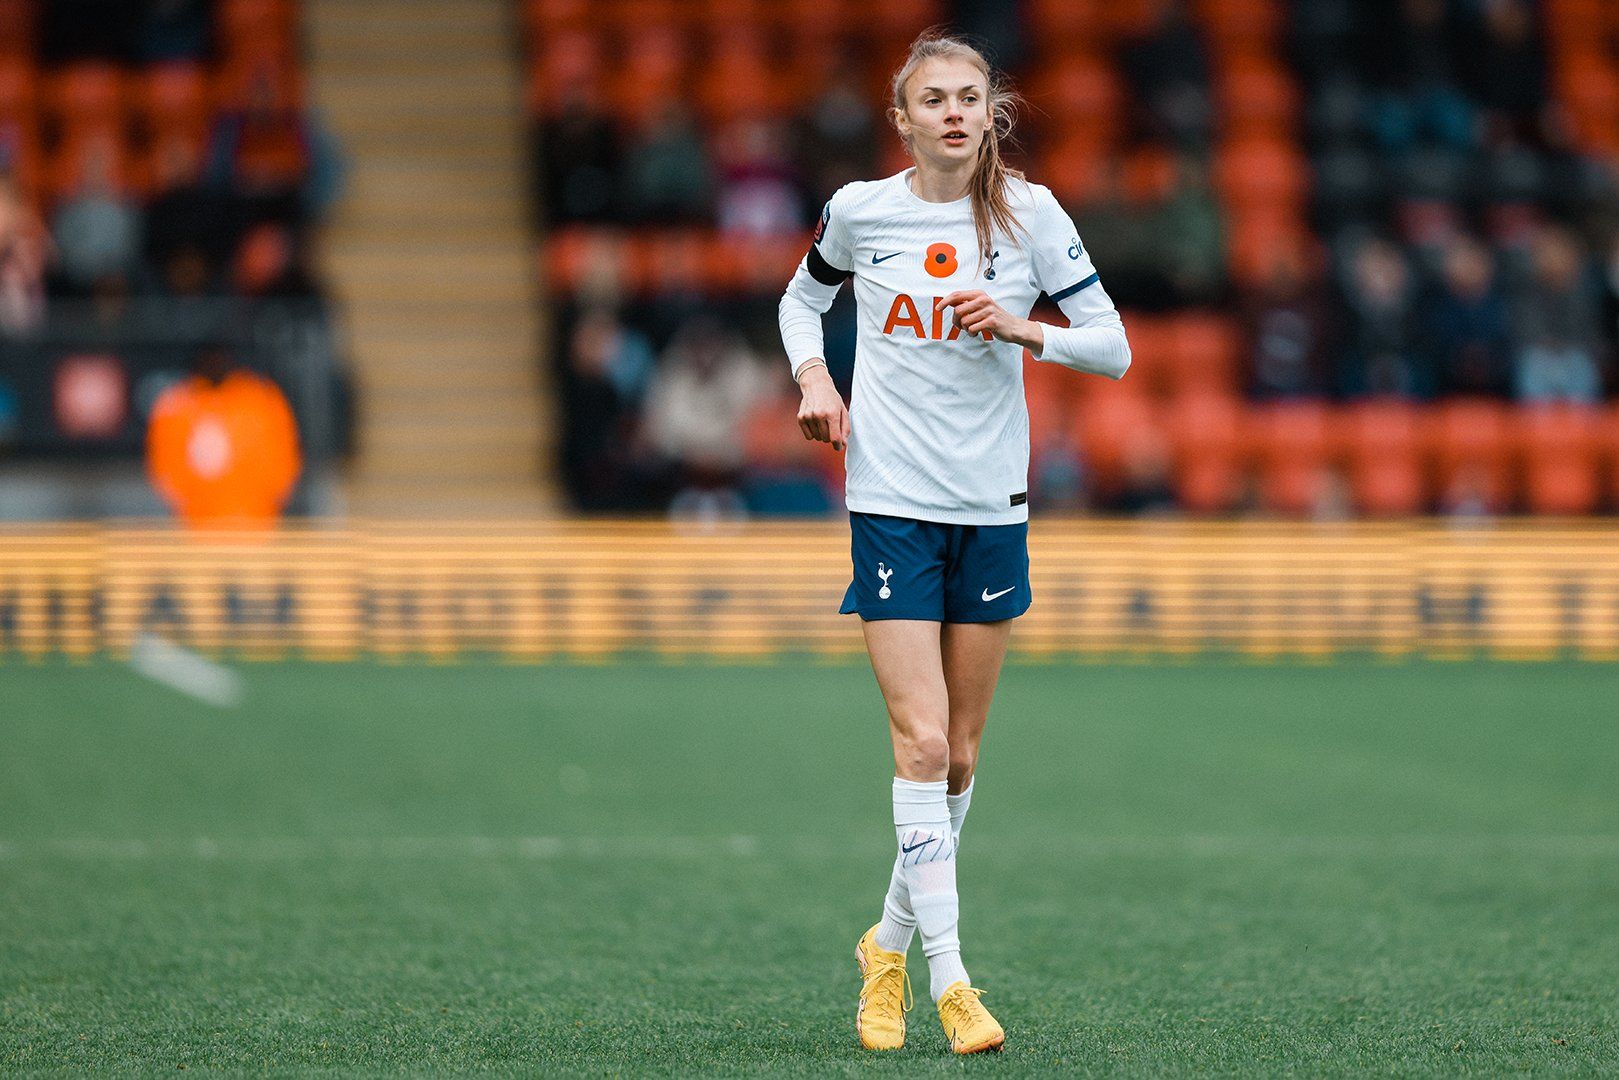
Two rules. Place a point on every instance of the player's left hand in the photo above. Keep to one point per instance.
(975, 312)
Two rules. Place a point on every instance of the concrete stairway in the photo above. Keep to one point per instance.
(430, 256)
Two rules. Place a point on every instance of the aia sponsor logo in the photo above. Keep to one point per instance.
(904, 319)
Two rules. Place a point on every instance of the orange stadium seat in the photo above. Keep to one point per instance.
(89, 159)
(1608, 445)
(175, 96)
(814, 27)
(1202, 353)
(1148, 175)
(17, 16)
(1257, 100)
(1559, 447)
(1081, 94)
(1257, 239)
(19, 95)
(87, 96)
(568, 62)
(640, 90)
(1207, 440)
(739, 80)
(1057, 27)
(1047, 388)
(1293, 447)
(1472, 450)
(1128, 18)
(1383, 445)
(1243, 27)
(1257, 171)
(542, 18)
(1077, 169)
(251, 23)
(1105, 421)
(1150, 346)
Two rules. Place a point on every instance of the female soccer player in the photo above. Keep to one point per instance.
(947, 258)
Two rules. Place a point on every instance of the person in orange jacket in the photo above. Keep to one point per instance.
(222, 446)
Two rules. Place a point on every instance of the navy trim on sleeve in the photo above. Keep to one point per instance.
(823, 271)
(1075, 287)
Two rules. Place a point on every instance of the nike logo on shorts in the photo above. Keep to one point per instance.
(988, 596)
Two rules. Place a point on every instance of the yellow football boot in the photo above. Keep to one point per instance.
(967, 1023)
(885, 995)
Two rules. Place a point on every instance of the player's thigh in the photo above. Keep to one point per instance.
(971, 655)
(905, 656)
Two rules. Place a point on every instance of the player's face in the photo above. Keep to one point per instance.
(946, 111)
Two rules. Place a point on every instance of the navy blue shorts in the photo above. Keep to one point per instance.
(908, 569)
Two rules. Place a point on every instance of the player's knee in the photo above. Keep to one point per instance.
(926, 753)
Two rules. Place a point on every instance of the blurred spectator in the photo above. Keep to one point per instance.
(188, 213)
(1558, 326)
(1168, 71)
(786, 473)
(1503, 68)
(608, 365)
(97, 227)
(174, 30)
(1288, 329)
(1610, 298)
(196, 307)
(579, 163)
(1380, 354)
(222, 448)
(24, 244)
(1190, 236)
(667, 174)
(1409, 54)
(706, 385)
(1148, 486)
(1058, 478)
(1468, 330)
(264, 150)
(838, 136)
(758, 183)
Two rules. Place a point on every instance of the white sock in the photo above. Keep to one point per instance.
(898, 924)
(927, 865)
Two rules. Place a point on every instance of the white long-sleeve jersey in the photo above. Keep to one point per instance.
(939, 428)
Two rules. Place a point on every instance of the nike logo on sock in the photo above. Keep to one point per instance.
(913, 847)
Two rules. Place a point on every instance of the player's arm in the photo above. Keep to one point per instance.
(821, 415)
(1094, 339)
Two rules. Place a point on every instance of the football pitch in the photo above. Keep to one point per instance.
(662, 869)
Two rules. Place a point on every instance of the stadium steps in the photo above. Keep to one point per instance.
(431, 257)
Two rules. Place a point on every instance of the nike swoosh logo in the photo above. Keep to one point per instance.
(988, 596)
(913, 847)
(875, 260)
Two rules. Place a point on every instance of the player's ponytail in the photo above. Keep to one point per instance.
(992, 206)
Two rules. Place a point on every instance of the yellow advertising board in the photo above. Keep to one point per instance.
(593, 589)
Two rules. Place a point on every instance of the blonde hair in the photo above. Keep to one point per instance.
(992, 208)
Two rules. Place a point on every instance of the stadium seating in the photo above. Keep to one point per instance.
(1290, 162)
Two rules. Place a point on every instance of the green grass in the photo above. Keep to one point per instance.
(641, 869)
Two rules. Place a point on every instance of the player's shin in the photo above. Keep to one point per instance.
(927, 865)
(898, 925)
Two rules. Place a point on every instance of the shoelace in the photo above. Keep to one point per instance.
(964, 1006)
(883, 1001)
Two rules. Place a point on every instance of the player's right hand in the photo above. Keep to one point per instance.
(822, 415)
